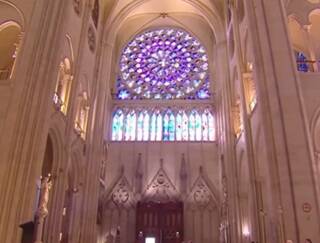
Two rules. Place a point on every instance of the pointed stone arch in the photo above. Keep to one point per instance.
(12, 12)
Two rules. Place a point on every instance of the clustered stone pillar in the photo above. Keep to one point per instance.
(283, 118)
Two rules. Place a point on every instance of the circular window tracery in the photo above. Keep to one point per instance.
(163, 64)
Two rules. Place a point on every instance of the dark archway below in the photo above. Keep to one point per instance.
(159, 222)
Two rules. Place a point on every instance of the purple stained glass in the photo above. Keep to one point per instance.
(163, 64)
(302, 62)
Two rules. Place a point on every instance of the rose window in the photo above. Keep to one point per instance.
(163, 64)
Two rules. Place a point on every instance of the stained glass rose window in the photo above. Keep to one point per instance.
(163, 64)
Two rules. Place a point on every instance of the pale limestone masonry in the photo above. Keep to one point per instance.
(259, 185)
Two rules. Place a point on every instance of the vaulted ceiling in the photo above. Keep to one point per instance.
(123, 19)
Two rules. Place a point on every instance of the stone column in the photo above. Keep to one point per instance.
(291, 178)
(26, 104)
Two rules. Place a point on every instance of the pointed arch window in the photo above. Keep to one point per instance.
(179, 122)
(192, 126)
(117, 125)
(159, 127)
(185, 132)
(165, 129)
(146, 119)
(153, 127)
(140, 127)
(198, 126)
(130, 127)
(172, 127)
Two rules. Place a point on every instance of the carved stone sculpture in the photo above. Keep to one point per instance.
(42, 211)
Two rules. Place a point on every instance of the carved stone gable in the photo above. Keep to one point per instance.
(121, 194)
(161, 189)
(201, 195)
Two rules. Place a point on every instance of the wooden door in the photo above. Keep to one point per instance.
(161, 222)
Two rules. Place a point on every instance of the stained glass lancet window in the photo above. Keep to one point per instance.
(165, 64)
(165, 124)
(117, 125)
(172, 127)
(165, 128)
(198, 126)
(159, 127)
(179, 122)
(140, 127)
(185, 133)
(130, 127)
(153, 127)
(146, 126)
(192, 126)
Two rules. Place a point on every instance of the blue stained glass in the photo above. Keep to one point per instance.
(130, 126)
(117, 125)
(171, 127)
(302, 64)
(146, 126)
(140, 127)
(123, 94)
(163, 64)
(166, 126)
(153, 127)
(192, 127)
(165, 129)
